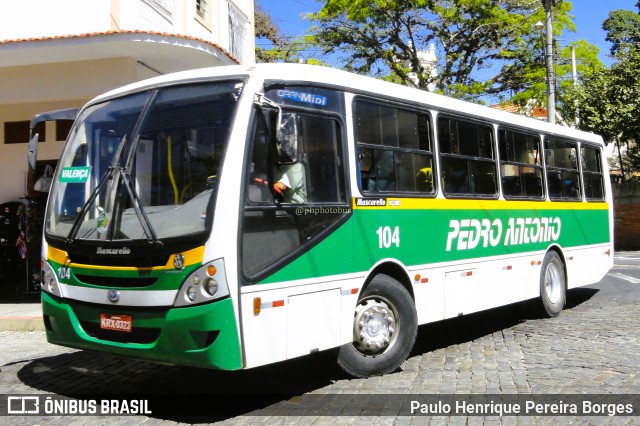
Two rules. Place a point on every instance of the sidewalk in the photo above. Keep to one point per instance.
(22, 314)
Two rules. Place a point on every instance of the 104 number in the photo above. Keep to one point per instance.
(388, 237)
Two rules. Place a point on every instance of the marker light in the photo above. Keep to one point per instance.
(211, 270)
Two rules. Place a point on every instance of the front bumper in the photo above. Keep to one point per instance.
(200, 336)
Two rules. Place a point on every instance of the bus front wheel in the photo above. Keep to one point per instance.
(384, 329)
(552, 284)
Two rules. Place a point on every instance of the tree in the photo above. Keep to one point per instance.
(533, 84)
(266, 29)
(474, 38)
(280, 47)
(607, 102)
(623, 29)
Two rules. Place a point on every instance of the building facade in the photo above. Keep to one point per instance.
(60, 53)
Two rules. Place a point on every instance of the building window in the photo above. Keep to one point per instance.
(203, 13)
(166, 7)
(63, 127)
(202, 9)
(18, 132)
(239, 36)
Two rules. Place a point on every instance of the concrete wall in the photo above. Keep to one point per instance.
(21, 19)
(627, 216)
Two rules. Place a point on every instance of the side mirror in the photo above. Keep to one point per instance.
(32, 153)
(261, 100)
(287, 134)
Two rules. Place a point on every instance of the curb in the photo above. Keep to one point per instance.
(21, 323)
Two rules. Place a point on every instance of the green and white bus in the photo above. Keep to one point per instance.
(239, 216)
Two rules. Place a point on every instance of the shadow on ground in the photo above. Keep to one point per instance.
(471, 327)
(192, 395)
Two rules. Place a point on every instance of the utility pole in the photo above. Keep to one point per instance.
(574, 73)
(551, 84)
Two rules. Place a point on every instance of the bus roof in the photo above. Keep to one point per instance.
(349, 82)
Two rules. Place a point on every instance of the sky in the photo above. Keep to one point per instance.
(589, 15)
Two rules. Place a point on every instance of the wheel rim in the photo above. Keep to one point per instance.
(376, 325)
(553, 283)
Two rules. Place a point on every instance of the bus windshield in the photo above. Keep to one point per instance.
(144, 166)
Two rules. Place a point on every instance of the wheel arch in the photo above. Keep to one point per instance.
(393, 269)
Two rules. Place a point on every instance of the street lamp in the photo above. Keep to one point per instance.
(548, 54)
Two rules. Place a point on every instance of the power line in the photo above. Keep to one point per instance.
(306, 5)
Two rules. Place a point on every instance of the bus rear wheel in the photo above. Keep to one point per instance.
(384, 329)
(552, 284)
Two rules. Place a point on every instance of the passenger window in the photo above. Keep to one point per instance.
(467, 158)
(520, 165)
(563, 178)
(592, 173)
(394, 149)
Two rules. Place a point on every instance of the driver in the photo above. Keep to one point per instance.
(291, 182)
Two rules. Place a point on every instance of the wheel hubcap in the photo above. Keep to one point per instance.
(375, 326)
(552, 283)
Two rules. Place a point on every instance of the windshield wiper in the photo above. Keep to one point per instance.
(140, 213)
(108, 175)
(85, 207)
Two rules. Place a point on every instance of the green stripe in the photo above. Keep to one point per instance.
(422, 237)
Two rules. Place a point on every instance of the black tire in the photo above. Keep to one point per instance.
(553, 284)
(385, 325)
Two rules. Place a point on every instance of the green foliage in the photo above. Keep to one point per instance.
(607, 102)
(279, 46)
(623, 29)
(533, 83)
(485, 47)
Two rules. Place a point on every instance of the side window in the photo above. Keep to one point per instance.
(295, 187)
(467, 158)
(394, 149)
(563, 178)
(520, 165)
(592, 173)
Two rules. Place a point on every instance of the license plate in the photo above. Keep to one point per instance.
(116, 322)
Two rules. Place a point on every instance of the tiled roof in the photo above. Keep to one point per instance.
(119, 32)
(536, 112)
(507, 107)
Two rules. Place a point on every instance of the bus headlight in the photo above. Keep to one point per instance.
(192, 293)
(211, 286)
(205, 284)
(50, 282)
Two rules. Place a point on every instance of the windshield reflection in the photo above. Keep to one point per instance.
(144, 166)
